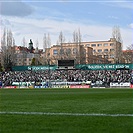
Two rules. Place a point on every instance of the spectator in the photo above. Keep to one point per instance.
(7, 78)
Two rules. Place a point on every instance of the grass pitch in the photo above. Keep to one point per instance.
(66, 111)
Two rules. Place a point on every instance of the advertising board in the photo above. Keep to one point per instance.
(131, 86)
(126, 84)
(79, 86)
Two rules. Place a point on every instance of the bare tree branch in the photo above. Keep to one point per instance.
(8, 49)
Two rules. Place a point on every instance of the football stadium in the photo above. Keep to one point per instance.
(66, 66)
(68, 98)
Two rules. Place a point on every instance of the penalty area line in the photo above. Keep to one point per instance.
(67, 114)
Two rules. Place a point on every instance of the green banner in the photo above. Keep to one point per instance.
(81, 66)
(104, 66)
(33, 68)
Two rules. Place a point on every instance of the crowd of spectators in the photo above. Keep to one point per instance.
(105, 76)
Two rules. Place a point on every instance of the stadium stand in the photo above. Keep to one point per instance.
(103, 76)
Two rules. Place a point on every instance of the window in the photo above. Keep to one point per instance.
(105, 44)
(99, 45)
(48, 54)
(100, 56)
(105, 50)
(68, 51)
(84, 51)
(111, 44)
(112, 56)
(111, 50)
(99, 50)
(61, 51)
(106, 56)
(75, 50)
(93, 45)
(94, 51)
(55, 52)
(87, 45)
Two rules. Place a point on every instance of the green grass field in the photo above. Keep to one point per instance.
(66, 111)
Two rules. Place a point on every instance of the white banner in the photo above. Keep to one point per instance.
(126, 84)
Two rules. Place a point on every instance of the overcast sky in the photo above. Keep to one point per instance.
(33, 18)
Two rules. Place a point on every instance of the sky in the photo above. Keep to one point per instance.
(31, 19)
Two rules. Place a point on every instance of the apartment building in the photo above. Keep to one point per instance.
(87, 52)
(111, 49)
(24, 55)
(80, 53)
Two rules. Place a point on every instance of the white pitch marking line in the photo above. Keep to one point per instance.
(67, 114)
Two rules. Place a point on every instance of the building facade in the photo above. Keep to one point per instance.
(24, 55)
(110, 50)
(80, 53)
(96, 52)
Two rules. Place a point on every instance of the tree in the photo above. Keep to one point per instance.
(1, 69)
(37, 54)
(37, 43)
(23, 49)
(77, 40)
(46, 41)
(116, 34)
(61, 40)
(46, 47)
(77, 36)
(128, 54)
(24, 42)
(8, 50)
(33, 62)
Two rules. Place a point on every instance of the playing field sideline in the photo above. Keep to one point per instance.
(66, 110)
